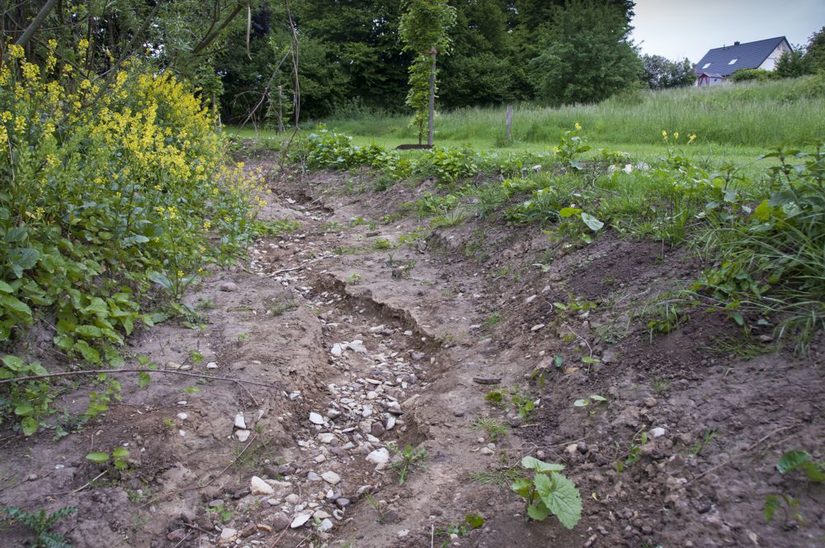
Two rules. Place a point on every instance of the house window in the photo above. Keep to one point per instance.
(733, 61)
(706, 65)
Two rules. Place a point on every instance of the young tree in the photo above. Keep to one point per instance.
(587, 56)
(792, 64)
(423, 30)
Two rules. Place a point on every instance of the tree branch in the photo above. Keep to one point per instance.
(36, 22)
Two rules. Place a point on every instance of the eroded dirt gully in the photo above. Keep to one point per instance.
(362, 335)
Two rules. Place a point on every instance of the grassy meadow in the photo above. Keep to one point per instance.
(735, 123)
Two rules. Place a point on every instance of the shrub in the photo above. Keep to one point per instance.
(114, 192)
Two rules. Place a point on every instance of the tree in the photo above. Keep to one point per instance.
(587, 56)
(423, 30)
(662, 73)
(815, 51)
(792, 64)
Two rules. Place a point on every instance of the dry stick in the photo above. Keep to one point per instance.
(740, 454)
(183, 539)
(130, 370)
(278, 538)
(199, 486)
(85, 485)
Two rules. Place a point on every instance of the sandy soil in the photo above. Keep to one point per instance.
(353, 338)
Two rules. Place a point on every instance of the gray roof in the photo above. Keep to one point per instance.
(748, 56)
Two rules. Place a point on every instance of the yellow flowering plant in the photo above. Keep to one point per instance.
(115, 191)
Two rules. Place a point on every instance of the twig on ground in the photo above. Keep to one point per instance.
(131, 370)
(85, 485)
(741, 453)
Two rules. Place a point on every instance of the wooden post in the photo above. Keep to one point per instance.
(280, 109)
(508, 124)
(431, 123)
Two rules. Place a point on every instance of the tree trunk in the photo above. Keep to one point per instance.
(431, 120)
(36, 22)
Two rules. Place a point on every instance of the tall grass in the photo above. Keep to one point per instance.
(747, 114)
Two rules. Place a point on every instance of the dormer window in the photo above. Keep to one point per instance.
(706, 65)
(733, 61)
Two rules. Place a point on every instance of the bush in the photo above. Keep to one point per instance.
(749, 75)
(113, 192)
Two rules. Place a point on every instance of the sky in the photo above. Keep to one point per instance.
(689, 28)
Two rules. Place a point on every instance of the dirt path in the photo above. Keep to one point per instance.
(365, 338)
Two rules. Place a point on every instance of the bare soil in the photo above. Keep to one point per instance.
(478, 301)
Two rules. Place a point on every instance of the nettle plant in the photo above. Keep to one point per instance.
(549, 492)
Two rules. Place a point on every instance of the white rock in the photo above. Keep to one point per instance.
(530, 299)
(379, 456)
(326, 437)
(320, 514)
(316, 418)
(228, 535)
(537, 327)
(242, 435)
(390, 422)
(183, 416)
(486, 451)
(657, 432)
(240, 423)
(319, 459)
(331, 477)
(300, 520)
(292, 498)
(337, 350)
(403, 533)
(357, 346)
(377, 328)
(257, 486)
(211, 365)
(366, 411)
(326, 525)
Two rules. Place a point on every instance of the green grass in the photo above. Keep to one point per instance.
(735, 123)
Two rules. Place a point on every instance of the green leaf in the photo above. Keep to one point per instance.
(98, 457)
(522, 486)
(29, 425)
(16, 305)
(6, 288)
(24, 257)
(23, 409)
(538, 511)
(592, 223)
(120, 453)
(475, 521)
(561, 497)
(567, 212)
(13, 362)
(89, 354)
(89, 331)
(160, 279)
(815, 471)
(532, 463)
(772, 504)
(596, 397)
(144, 379)
(581, 403)
(792, 460)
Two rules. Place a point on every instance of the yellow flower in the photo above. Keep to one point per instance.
(16, 52)
(676, 135)
(578, 126)
(691, 138)
(664, 135)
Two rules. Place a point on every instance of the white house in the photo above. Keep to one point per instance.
(719, 63)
